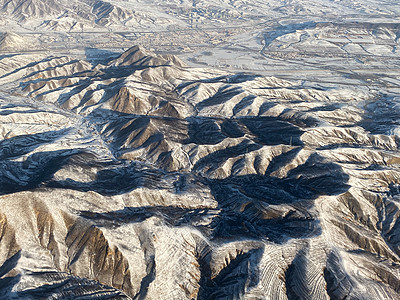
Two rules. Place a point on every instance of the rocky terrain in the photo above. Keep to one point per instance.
(266, 167)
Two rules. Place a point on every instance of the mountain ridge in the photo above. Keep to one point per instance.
(193, 182)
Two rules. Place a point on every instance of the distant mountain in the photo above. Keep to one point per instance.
(60, 15)
(63, 15)
(23, 10)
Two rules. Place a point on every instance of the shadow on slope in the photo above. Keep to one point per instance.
(39, 167)
(277, 209)
(257, 206)
(382, 116)
(23, 144)
(120, 180)
(100, 56)
(58, 285)
(32, 64)
(7, 281)
(240, 274)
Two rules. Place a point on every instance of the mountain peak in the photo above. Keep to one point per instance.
(11, 41)
(139, 56)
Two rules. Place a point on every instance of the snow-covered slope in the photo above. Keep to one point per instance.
(253, 153)
(144, 178)
(10, 41)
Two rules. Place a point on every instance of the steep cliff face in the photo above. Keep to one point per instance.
(143, 178)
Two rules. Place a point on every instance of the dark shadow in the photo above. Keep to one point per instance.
(100, 56)
(39, 167)
(231, 128)
(281, 160)
(204, 131)
(235, 78)
(124, 71)
(13, 105)
(266, 106)
(7, 112)
(73, 85)
(125, 132)
(71, 62)
(121, 179)
(79, 87)
(294, 277)
(216, 159)
(59, 285)
(200, 130)
(146, 280)
(232, 281)
(174, 216)
(147, 245)
(7, 56)
(339, 284)
(8, 282)
(32, 64)
(245, 102)
(263, 130)
(273, 131)
(381, 116)
(23, 144)
(121, 132)
(330, 107)
(244, 201)
(224, 94)
(110, 91)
